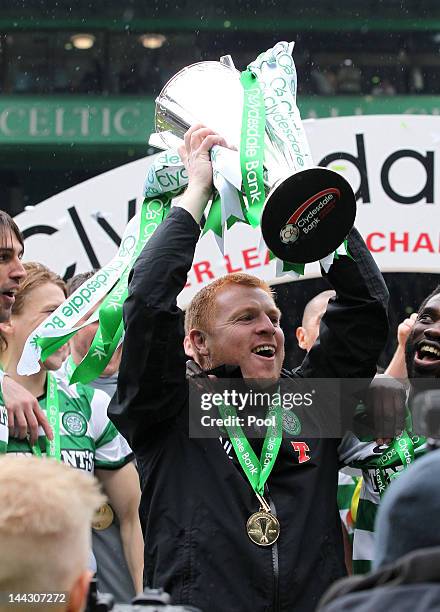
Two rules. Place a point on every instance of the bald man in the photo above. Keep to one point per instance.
(308, 331)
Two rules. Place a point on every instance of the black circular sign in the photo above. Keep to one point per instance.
(308, 215)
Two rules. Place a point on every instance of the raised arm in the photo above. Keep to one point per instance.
(151, 382)
(354, 328)
(397, 365)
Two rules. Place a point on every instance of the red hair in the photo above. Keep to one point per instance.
(202, 307)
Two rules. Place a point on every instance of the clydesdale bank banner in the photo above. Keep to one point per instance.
(391, 161)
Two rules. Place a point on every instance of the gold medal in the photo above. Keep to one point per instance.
(103, 517)
(263, 528)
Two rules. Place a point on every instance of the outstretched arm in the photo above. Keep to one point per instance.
(354, 328)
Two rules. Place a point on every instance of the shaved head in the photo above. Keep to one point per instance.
(317, 306)
(308, 332)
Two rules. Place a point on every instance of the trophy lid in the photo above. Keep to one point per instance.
(308, 215)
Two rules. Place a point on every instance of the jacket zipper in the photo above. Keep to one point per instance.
(275, 559)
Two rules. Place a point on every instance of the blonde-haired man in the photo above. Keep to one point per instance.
(46, 510)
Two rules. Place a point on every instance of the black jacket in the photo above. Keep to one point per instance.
(195, 500)
(410, 584)
(407, 542)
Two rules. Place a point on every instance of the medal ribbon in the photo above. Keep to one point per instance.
(252, 146)
(257, 470)
(53, 447)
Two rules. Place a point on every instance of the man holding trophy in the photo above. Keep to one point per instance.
(219, 535)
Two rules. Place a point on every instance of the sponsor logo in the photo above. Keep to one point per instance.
(80, 459)
(380, 478)
(289, 233)
(301, 448)
(75, 423)
(308, 216)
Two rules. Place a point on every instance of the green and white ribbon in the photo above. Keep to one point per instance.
(110, 281)
(59, 327)
(252, 146)
(276, 73)
(53, 447)
(272, 134)
(402, 448)
(257, 470)
(287, 150)
(166, 176)
(228, 205)
(111, 328)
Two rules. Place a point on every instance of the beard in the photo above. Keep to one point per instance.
(419, 382)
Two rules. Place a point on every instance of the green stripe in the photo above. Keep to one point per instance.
(109, 434)
(345, 495)
(66, 442)
(3, 447)
(346, 19)
(22, 446)
(113, 465)
(81, 403)
(366, 515)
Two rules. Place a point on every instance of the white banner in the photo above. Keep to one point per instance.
(391, 162)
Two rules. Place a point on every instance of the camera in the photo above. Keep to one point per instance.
(151, 600)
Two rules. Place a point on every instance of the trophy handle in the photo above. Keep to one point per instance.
(227, 60)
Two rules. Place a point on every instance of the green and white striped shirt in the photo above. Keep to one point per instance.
(88, 439)
(365, 456)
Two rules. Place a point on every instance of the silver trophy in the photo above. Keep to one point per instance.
(308, 210)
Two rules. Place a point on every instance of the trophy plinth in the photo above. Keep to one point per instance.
(307, 215)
